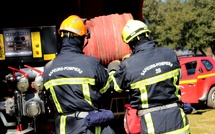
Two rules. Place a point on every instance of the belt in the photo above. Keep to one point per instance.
(79, 114)
(149, 110)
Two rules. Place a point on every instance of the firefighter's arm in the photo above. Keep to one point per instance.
(113, 66)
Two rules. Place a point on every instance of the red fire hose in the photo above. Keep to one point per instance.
(106, 40)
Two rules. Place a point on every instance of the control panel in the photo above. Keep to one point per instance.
(17, 42)
(30, 44)
(2, 53)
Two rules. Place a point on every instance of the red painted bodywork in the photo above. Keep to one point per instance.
(195, 87)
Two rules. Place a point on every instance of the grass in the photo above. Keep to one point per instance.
(202, 122)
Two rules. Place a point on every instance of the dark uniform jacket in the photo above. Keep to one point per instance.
(74, 81)
(152, 76)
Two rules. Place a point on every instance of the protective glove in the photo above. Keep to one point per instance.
(188, 109)
(113, 66)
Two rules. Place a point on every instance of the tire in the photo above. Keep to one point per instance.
(211, 98)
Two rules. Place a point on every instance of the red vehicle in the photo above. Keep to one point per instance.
(197, 82)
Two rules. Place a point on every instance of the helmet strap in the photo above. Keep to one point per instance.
(88, 33)
(85, 44)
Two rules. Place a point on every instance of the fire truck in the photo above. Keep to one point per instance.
(29, 39)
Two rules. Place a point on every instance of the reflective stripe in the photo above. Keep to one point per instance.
(116, 86)
(105, 88)
(70, 81)
(62, 124)
(175, 80)
(184, 130)
(144, 97)
(155, 79)
(141, 85)
(97, 129)
(57, 104)
(187, 81)
(86, 92)
(195, 80)
(183, 116)
(150, 126)
(206, 75)
(149, 123)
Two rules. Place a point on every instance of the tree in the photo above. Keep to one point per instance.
(181, 24)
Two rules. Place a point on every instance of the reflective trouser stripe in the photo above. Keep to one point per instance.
(70, 81)
(97, 129)
(184, 130)
(62, 124)
(141, 85)
(183, 116)
(149, 123)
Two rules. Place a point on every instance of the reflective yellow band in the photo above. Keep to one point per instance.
(97, 129)
(116, 86)
(149, 123)
(54, 97)
(63, 81)
(141, 85)
(144, 97)
(70, 81)
(155, 79)
(150, 126)
(175, 80)
(62, 124)
(107, 86)
(187, 81)
(184, 130)
(195, 80)
(86, 92)
(183, 116)
(206, 75)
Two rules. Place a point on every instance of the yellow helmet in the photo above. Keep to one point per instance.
(132, 29)
(73, 24)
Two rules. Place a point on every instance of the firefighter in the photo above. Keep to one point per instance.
(76, 83)
(151, 75)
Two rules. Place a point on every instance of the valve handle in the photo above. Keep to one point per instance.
(37, 70)
(17, 70)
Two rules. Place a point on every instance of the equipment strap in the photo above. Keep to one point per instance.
(149, 110)
(79, 114)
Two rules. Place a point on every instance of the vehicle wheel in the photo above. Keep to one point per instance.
(211, 98)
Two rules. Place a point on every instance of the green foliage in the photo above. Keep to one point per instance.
(186, 24)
